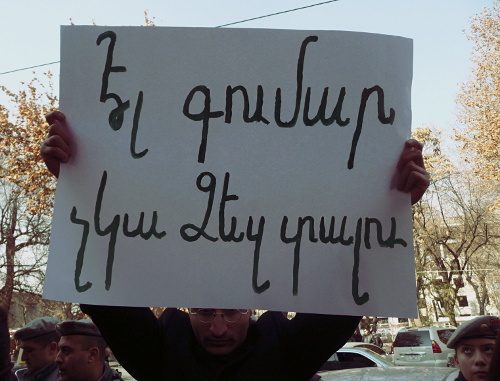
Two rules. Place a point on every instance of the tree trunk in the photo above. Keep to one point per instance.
(449, 304)
(481, 293)
(10, 253)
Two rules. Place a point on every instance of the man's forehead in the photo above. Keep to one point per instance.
(70, 341)
(29, 344)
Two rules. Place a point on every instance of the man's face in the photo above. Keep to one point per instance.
(36, 355)
(473, 357)
(72, 359)
(219, 337)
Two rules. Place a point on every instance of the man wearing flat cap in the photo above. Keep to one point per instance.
(82, 353)
(38, 340)
(474, 343)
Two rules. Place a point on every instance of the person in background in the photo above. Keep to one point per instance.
(6, 364)
(356, 336)
(223, 344)
(371, 337)
(38, 340)
(376, 339)
(82, 353)
(474, 342)
(367, 336)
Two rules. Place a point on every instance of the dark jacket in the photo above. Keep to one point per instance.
(49, 373)
(6, 373)
(377, 341)
(165, 349)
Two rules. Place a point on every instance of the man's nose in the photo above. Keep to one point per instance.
(58, 358)
(218, 326)
(24, 356)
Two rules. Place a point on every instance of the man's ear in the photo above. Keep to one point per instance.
(52, 348)
(93, 354)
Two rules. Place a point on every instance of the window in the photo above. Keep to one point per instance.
(354, 360)
(413, 339)
(372, 347)
(462, 301)
(347, 360)
(445, 334)
(440, 301)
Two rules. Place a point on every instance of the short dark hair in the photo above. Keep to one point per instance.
(94, 341)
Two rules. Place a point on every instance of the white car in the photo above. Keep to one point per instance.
(394, 373)
(347, 358)
(373, 347)
(422, 346)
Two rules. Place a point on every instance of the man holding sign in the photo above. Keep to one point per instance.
(223, 344)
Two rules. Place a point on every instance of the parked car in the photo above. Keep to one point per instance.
(450, 361)
(422, 346)
(372, 347)
(347, 358)
(395, 373)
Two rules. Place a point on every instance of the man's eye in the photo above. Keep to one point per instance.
(205, 312)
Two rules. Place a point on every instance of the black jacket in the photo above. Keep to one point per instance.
(165, 349)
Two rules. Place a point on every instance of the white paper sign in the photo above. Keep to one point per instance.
(234, 168)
